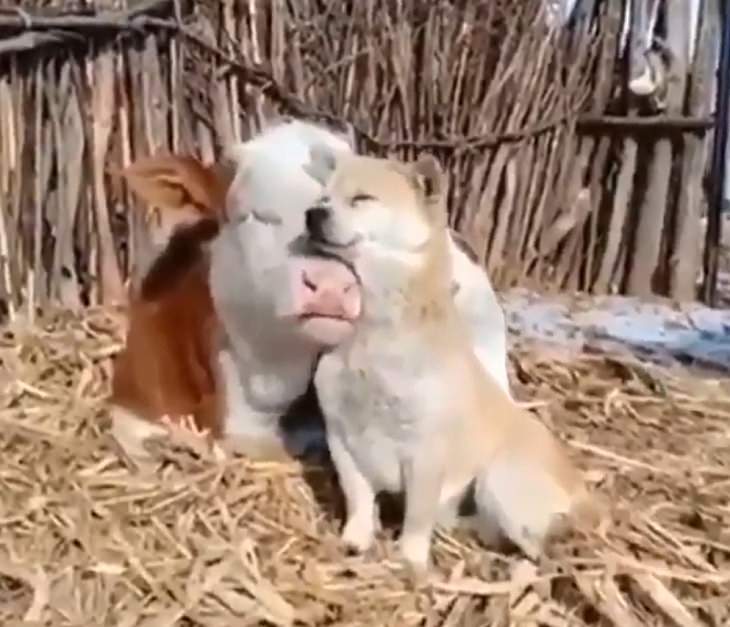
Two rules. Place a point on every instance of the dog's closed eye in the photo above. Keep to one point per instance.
(361, 198)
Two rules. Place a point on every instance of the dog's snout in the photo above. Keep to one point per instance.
(314, 219)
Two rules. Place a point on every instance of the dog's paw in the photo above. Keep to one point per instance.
(530, 544)
(417, 572)
(359, 534)
(414, 551)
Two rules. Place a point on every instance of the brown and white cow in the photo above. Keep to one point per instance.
(228, 322)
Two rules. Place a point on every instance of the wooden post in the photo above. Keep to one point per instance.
(686, 258)
(719, 157)
(652, 213)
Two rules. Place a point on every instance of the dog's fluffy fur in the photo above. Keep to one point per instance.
(408, 405)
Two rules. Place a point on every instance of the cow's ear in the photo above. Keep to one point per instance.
(174, 182)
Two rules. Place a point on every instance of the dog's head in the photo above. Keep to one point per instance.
(376, 211)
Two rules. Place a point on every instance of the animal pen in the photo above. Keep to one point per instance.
(561, 178)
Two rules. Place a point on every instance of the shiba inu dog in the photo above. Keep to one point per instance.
(408, 406)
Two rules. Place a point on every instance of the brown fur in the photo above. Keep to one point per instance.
(166, 367)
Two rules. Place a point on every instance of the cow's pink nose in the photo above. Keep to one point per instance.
(327, 288)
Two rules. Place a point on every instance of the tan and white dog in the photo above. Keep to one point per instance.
(408, 405)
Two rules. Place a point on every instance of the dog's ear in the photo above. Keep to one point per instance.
(430, 179)
(322, 162)
(429, 176)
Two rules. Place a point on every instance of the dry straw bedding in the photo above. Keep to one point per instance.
(86, 541)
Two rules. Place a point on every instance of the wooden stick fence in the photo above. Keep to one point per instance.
(557, 180)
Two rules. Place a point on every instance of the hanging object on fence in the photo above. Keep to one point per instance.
(650, 56)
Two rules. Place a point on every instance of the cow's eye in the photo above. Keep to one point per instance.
(361, 198)
(266, 217)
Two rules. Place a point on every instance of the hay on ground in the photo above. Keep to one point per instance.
(85, 541)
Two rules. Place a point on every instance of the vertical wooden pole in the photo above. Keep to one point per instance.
(686, 258)
(718, 167)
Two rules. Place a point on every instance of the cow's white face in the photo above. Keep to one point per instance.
(278, 297)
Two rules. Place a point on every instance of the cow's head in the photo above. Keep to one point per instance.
(263, 288)
(257, 269)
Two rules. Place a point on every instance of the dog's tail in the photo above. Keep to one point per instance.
(529, 495)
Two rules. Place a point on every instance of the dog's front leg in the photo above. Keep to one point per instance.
(359, 530)
(422, 482)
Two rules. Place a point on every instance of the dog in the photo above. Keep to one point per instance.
(408, 406)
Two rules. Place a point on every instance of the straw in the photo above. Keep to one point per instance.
(85, 540)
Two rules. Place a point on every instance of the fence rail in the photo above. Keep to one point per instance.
(557, 178)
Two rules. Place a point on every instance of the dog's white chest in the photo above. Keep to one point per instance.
(372, 414)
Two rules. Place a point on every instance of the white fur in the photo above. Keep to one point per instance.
(271, 359)
(477, 302)
(370, 433)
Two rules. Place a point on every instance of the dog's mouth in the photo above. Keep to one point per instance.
(322, 245)
(311, 245)
(319, 239)
(329, 251)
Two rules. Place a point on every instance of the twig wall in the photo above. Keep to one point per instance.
(558, 178)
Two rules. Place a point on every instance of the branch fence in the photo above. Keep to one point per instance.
(558, 178)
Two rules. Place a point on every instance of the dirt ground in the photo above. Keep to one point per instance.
(86, 541)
